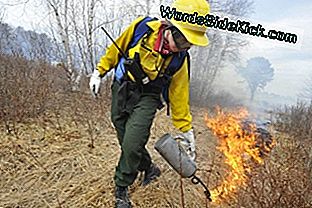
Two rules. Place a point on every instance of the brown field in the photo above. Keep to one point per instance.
(58, 149)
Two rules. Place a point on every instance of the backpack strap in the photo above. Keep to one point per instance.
(176, 62)
(174, 66)
(140, 30)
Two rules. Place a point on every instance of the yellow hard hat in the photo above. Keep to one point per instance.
(194, 33)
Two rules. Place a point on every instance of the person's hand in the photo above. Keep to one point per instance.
(188, 142)
(95, 82)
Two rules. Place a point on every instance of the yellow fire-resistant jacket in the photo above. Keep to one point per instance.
(151, 62)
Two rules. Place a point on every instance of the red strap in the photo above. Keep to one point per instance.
(162, 45)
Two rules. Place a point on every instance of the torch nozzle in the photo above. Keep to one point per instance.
(195, 180)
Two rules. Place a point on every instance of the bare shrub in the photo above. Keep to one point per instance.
(26, 89)
(295, 120)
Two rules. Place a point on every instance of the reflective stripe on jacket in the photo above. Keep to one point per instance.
(152, 62)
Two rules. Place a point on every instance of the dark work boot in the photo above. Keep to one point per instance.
(122, 198)
(151, 174)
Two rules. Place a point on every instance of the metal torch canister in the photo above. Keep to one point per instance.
(176, 156)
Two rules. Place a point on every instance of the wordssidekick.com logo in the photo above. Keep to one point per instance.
(214, 21)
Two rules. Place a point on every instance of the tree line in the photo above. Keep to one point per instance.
(75, 40)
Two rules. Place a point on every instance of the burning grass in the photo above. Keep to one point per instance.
(261, 171)
(238, 144)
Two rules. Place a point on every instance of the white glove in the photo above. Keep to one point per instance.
(188, 142)
(95, 82)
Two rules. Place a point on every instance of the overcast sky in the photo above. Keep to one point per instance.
(292, 62)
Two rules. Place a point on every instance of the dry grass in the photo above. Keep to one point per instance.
(296, 121)
(48, 166)
(283, 180)
(65, 156)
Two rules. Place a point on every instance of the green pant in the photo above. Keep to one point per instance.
(133, 130)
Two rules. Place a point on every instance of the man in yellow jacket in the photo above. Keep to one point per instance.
(135, 102)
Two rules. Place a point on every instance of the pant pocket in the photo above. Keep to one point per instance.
(128, 96)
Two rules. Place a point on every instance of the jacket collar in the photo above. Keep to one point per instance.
(154, 25)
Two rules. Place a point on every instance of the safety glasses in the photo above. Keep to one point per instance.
(179, 39)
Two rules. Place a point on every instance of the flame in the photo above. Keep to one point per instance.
(238, 147)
